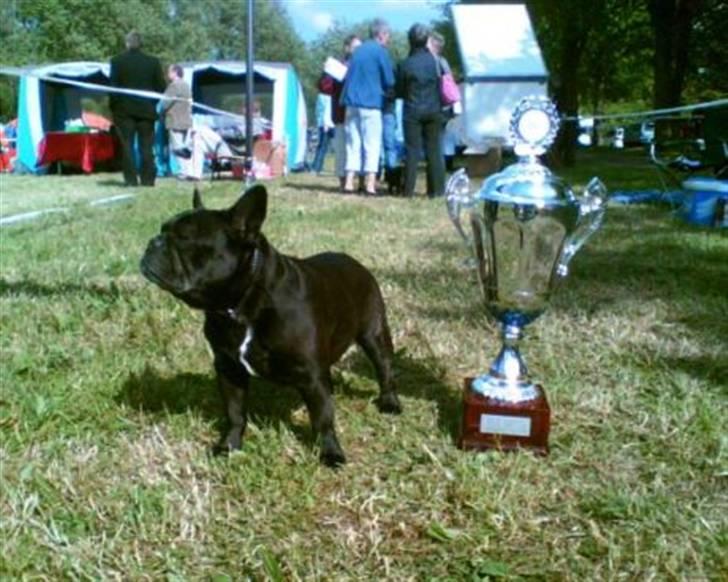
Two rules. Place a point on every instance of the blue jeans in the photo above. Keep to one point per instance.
(324, 137)
(389, 140)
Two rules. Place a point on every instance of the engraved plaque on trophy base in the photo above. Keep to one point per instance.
(489, 423)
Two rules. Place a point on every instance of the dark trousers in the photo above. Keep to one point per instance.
(424, 132)
(130, 130)
(324, 136)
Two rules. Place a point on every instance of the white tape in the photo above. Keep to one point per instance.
(653, 112)
(19, 72)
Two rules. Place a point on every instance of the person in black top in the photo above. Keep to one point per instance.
(134, 116)
(418, 84)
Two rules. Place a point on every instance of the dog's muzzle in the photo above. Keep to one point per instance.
(160, 265)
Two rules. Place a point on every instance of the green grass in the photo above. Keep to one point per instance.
(109, 408)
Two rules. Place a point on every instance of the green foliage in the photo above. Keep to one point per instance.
(707, 76)
(617, 64)
(599, 59)
(40, 31)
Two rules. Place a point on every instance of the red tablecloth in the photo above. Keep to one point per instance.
(83, 149)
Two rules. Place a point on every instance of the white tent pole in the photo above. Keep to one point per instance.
(249, 88)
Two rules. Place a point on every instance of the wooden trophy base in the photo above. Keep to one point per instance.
(489, 423)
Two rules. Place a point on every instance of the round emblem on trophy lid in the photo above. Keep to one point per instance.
(534, 125)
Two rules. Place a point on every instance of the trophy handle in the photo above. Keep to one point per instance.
(592, 206)
(457, 198)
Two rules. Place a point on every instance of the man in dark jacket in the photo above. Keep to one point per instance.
(134, 116)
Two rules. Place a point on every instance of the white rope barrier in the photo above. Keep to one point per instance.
(19, 72)
(653, 112)
(23, 217)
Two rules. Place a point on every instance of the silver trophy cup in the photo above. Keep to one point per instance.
(526, 225)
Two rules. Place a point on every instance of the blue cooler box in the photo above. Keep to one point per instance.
(701, 199)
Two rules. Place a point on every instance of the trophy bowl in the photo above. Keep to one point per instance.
(525, 226)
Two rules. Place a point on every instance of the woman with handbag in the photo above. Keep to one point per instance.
(450, 98)
(418, 84)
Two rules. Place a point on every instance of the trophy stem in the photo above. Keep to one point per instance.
(507, 378)
(509, 364)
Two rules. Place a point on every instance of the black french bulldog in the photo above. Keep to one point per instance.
(270, 315)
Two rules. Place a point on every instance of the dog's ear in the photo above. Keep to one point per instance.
(196, 199)
(248, 213)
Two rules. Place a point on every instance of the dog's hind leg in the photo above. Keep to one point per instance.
(377, 345)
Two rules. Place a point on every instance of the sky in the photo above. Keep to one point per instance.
(314, 17)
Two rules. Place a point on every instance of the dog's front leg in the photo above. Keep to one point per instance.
(233, 385)
(320, 404)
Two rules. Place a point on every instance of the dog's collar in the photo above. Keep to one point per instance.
(256, 267)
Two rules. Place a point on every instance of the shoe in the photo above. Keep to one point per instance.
(370, 185)
(184, 178)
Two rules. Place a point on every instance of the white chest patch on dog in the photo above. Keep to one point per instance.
(243, 353)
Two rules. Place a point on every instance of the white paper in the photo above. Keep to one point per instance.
(335, 68)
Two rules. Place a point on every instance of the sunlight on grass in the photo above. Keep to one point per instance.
(109, 406)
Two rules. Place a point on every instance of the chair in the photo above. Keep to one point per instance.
(269, 159)
(685, 146)
(232, 159)
(233, 162)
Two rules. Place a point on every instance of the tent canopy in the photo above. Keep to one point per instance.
(45, 106)
(502, 64)
(221, 84)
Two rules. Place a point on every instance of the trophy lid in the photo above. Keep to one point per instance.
(533, 128)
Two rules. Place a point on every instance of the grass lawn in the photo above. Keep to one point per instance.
(109, 408)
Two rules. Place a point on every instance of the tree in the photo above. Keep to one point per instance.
(617, 64)
(672, 21)
(42, 31)
(706, 75)
(564, 30)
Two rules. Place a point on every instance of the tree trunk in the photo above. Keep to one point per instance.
(566, 95)
(672, 22)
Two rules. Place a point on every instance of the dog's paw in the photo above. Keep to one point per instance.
(331, 453)
(231, 443)
(389, 403)
(220, 450)
(333, 458)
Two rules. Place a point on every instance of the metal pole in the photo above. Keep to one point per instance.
(249, 96)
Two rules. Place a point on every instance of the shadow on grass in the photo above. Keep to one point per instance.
(273, 404)
(34, 289)
(154, 394)
(420, 379)
(711, 370)
(691, 278)
(332, 189)
(119, 183)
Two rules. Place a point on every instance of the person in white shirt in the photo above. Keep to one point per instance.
(325, 125)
